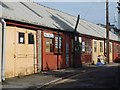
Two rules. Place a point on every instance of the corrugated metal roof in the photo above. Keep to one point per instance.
(37, 14)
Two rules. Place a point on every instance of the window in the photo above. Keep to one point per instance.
(95, 46)
(30, 38)
(21, 38)
(87, 46)
(83, 46)
(101, 46)
(49, 45)
(58, 44)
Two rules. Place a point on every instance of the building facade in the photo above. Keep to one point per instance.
(41, 38)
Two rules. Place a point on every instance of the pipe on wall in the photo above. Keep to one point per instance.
(3, 49)
(0, 48)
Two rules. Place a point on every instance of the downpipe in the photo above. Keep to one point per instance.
(2, 21)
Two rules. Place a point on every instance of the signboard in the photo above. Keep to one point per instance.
(48, 35)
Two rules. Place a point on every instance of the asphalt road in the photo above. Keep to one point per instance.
(107, 77)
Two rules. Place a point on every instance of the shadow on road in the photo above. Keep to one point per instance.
(106, 77)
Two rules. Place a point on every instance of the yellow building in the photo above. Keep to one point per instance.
(98, 48)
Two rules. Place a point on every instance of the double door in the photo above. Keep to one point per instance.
(20, 52)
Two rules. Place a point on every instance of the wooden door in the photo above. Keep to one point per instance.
(94, 51)
(10, 52)
(25, 52)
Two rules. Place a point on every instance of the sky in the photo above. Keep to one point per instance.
(90, 11)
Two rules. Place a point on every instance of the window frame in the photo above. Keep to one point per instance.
(101, 46)
(58, 43)
(21, 39)
(50, 45)
(33, 41)
(95, 46)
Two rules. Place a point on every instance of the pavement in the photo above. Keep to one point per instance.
(45, 78)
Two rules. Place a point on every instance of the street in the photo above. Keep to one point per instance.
(106, 77)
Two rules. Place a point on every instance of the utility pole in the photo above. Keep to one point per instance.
(118, 14)
(107, 30)
(74, 42)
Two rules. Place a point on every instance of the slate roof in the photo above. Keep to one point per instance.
(34, 13)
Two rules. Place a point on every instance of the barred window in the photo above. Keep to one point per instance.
(58, 44)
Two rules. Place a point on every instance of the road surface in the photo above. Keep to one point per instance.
(107, 77)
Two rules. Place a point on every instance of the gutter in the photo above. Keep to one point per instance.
(2, 21)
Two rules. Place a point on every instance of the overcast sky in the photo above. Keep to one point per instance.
(91, 11)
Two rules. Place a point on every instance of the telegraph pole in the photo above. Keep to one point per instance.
(118, 14)
(74, 42)
(107, 30)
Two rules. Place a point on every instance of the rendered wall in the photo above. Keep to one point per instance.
(39, 52)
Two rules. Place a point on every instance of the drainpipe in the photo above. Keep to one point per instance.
(3, 49)
(0, 48)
